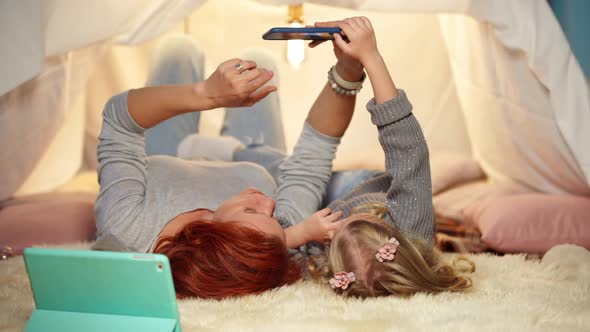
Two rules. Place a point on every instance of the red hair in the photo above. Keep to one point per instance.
(222, 259)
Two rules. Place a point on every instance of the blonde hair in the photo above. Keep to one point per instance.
(416, 267)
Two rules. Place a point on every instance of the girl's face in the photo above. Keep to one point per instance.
(253, 209)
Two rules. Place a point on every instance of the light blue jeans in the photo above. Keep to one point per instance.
(179, 60)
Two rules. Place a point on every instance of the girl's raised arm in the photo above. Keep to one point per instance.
(409, 197)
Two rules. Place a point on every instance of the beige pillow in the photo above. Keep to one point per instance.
(453, 169)
(450, 203)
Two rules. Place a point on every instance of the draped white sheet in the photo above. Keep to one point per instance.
(31, 30)
(513, 61)
(510, 70)
(49, 49)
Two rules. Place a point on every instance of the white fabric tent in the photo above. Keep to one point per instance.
(33, 30)
(496, 79)
(524, 96)
(49, 50)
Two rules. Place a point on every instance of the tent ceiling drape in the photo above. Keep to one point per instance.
(511, 68)
(526, 26)
(32, 30)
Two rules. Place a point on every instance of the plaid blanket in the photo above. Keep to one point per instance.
(457, 236)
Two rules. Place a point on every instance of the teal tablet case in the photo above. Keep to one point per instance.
(100, 291)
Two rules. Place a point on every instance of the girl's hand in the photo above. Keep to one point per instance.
(320, 226)
(236, 83)
(361, 45)
(348, 67)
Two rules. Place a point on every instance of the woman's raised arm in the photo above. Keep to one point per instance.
(235, 83)
(305, 174)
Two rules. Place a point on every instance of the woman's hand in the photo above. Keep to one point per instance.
(361, 45)
(322, 225)
(236, 83)
(230, 85)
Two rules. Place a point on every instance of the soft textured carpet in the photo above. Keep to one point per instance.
(510, 294)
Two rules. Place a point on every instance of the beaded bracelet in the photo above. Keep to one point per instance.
(342, 86)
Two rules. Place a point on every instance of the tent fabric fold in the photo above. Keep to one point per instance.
(526, 26)
(31, 30)
(49, 49)
(523, 95)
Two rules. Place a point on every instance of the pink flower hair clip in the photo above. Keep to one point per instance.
(342, 280)
(387, 251)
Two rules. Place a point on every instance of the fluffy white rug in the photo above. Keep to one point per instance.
(510, 294)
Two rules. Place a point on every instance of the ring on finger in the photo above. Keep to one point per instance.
(239, 67)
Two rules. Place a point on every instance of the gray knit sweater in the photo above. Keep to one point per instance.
(406, 187)
(140, 194)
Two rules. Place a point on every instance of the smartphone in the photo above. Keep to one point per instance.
(300, 33)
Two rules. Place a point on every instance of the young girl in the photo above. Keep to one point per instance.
(384, 245)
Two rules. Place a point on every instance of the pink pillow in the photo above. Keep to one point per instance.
(531, 223)
(52, 218)
(452, 169)
(451, 203)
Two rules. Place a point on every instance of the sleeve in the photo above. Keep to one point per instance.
(379, 183)
(304, 175)
(409, 198)
(121, 171)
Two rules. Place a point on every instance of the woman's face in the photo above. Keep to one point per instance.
(253, 209)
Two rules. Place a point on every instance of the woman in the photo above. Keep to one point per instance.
(222, 239)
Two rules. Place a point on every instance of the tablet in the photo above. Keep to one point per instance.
(100, 291)
(300, 33)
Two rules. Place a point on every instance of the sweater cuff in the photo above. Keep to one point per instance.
(308, 130)
(390, 111)
(117, 107)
